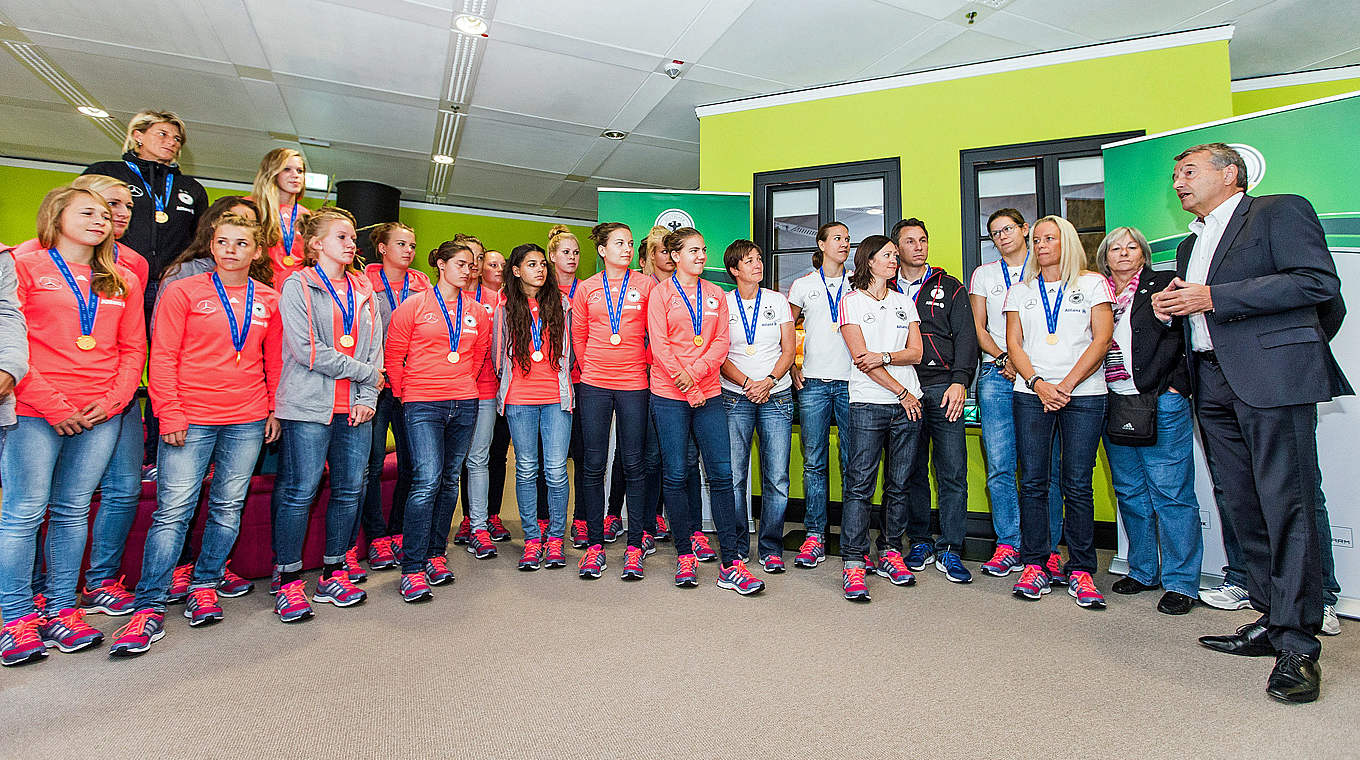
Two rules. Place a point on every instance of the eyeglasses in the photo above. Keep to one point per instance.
(1008, 229)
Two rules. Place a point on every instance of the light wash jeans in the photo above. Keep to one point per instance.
(773, 421)
(540, 432)
(820, 402)
(996, 416)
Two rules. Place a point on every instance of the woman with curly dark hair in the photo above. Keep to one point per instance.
(532, 353)
(197, 257)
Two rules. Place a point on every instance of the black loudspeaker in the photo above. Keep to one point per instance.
(372, 203)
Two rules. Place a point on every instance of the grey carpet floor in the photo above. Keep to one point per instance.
(504, 664)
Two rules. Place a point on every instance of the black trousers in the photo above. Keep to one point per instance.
(1265, 471)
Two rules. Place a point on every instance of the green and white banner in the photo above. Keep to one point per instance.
(720, 217)
(1308, 150)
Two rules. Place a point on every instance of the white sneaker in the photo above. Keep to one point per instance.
(1331, 625)
(1226, 596)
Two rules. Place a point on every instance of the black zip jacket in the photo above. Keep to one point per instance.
(949, 341)
(159, 243)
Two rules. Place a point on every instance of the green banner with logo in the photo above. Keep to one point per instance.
(720, 217)
(1308, 150)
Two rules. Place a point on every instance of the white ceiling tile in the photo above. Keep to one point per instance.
(498, 142)
(811, 43)
(1269, 37)
(660, 167)
(530, 81)
(326, 41)
(1106, 20)
(674, 118)
(1028, 32)
(170, 26)
(327, 116)
(24, 84)
(476, 181)
(936, 9)
(56, 135)
(967, 48)
(898, 59)
(650, 26)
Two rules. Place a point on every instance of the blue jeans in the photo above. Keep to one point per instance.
(819, 402)
(478, 462)
(944, 445)
(597, 408)
(42, 470)
(1156, 489)
(1235, 571)
(872, 428)
(676, 424)
(774, 422)
(550, 426)
(997, 418)
(387, 414)
(307, 447)
(1079, 425)
(651, 461)
(120, 493)
(439, 433)
(232, 451)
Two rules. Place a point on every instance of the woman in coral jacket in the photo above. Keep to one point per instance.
(85, 363)
(394, 281)
(331, 373)
(278, 189)
(214, 371)
(436, 348)
(688, 331)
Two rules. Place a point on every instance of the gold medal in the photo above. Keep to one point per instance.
(347, 341)
(86, 342)
(750, 350)
(162, 217)
(698, 340)
(288, 261)
(1052, 339)
(615, 339)
(538, 356)
(453, 357)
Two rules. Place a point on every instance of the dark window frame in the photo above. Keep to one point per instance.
(1044, 155)
(822, 177)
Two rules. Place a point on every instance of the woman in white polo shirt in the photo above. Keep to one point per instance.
(1058, 329)
(758, 393)
(882, 333)
(821, 381)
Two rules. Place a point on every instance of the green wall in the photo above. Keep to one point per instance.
(927, 125)
(1252, 101)
(24, 188)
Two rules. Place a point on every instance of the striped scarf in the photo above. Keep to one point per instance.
(1114, 360)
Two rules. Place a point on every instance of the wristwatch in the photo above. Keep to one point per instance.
(887, 358)
(1033, 381)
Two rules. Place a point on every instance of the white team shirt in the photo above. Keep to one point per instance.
(886, 325)
(989, 282)
(1053, 362)
(824, 354)
(774, 313)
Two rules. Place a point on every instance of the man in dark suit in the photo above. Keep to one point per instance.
(1250, 281)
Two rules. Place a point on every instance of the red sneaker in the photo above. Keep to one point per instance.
(380, 554)
(110, 597)
(533, 555)
(464, 533)
(353, 569)
(592, 564)
(20, 642)
(497, 528)
(68, 631)
(702, 551)
(632, 564)
(613, 527)
(555, 556)
(580, 535)
(663, 530)
(179, 584)
(233, 585)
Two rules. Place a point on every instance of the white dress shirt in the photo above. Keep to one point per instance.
(1208, 233)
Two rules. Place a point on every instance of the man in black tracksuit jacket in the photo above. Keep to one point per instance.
(948, 359)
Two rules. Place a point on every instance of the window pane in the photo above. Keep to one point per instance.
(1006, 188)
(789, 267)
(859, 204)
(795, 217)
(1081, 181)
(989, 251)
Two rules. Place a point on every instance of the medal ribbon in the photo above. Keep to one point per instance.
(89, 309)
(750, 327)
(160, 203)
(695, 317)
(1006, 270)
(238, 334)
(405, 289)
(346, 317)
(455, 328)
(1051, 314)
(834, 303)
(615, 313)
(290, 231)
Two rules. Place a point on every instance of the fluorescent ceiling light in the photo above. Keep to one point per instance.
(440, 158)
(316, 181)
(93, 112)
(473, 26)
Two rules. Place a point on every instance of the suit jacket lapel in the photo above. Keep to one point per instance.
(1235, 223)
(1143, 295)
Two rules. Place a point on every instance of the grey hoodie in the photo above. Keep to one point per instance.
(13, 335)
(311, 364)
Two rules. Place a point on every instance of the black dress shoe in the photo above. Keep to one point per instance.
(1175, 603)
(1127, 585)
(1296, 678)
(1249, 641)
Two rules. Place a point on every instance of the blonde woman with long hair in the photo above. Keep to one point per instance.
(278, 190)
(1058, 329)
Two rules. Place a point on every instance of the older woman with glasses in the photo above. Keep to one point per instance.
(1154, 478)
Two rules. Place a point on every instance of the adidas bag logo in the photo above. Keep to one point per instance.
(1127, 426)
